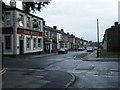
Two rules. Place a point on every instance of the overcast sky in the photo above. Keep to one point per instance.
(79, 17)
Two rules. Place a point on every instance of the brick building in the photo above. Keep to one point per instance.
(22, 33)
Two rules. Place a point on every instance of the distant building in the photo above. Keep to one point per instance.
(22, 33)
(47, 40)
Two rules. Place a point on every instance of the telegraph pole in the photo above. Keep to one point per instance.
(98, 38)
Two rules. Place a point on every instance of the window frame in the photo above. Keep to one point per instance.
(21, 20)
(34, 43)
(39, 44)
(28, 43)
(28, 24)
(7, 19)
(39, 25)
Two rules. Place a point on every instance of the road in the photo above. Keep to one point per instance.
(89, 74)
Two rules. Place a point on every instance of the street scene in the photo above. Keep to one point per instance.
(43, 47)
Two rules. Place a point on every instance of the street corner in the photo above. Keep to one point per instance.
(37, 78)
(71, 81)
(59, 79)
(24, 78)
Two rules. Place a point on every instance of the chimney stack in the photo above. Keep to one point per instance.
(54, 27)
(67, 33)
(116, 23)
(62, 30)
(13, 3)
(112, 26)
(71, 34)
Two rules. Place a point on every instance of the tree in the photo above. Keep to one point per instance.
(34, 6)
(2, 8)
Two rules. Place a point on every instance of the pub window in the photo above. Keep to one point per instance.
(28, 22)
(35, 23)
(7, 42)
(28, 43)
(39, 42)
(39, 25)
(7, 19)
(21, 20)
(34, 43)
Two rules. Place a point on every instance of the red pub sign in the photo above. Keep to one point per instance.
(26, 32)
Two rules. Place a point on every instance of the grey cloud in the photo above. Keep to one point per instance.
(80, 17)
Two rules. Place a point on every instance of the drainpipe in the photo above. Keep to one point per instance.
(14, 32)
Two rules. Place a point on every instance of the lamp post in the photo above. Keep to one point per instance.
(97, 38)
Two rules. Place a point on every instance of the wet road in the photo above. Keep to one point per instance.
(89, 74)
(41, 62)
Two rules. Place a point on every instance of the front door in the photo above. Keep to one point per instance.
(21, 47)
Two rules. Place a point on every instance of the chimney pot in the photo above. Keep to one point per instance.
(54, 27)
(116, 23)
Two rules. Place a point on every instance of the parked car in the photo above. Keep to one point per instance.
(81, 49)
(95, 48)
(90, 49)
(62, 50)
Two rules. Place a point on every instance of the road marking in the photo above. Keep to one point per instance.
(69, 57)
(74, 56)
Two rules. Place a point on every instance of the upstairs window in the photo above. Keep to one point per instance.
(7, 19)
(39, 24)
(28, 22)
(35, 23)
(21, 20)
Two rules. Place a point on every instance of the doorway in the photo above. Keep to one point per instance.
(21, 47)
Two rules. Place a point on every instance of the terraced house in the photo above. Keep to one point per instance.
(111, 39)
(22, 33)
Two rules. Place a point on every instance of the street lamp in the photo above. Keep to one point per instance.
(97, 38)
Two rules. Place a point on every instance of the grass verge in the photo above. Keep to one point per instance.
(104, 54)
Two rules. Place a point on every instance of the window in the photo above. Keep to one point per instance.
(7, 42)
(7, 19)
(34, 43)
(35, 23)
(21, 20)
(39, 42)
(46, 33)
(28, 22)
(28, 43)
(40, 25)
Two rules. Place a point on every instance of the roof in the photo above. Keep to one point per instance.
(9, 8)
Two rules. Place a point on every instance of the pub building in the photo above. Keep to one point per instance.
(22, 33)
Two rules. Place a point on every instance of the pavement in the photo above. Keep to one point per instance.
(35, 78)
(93, 57)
